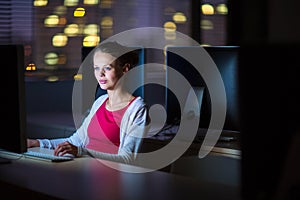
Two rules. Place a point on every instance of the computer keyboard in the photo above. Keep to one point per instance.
(46, 156)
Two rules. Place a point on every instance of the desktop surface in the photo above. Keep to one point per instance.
(228, 144)
(89, 178)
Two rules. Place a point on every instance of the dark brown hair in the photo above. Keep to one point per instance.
(124, 55)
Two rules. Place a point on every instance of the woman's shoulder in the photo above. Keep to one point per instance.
(139, 100)
(137, 103)
(100, 100)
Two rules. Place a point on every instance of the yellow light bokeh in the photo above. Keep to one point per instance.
(71, 30)
(51, 21)
(207, 9)
(91, 29)
(31, 67)
(91, 41)
(52, 78)
(222, 9)
(59, 40)
(90, 2)
(206, 24)
(179, 17)
(79, 12)
(51, 58)
(170, 27)
(71, 2)
(106, 22)
(78, 77)
(38, 3)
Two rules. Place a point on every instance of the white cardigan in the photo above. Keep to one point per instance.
(132, 131)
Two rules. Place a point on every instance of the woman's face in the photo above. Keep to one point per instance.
(106, 71)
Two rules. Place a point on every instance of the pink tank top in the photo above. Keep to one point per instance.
(104, 129)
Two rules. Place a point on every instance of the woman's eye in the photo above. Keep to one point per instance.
(107, 68)
(103, 68)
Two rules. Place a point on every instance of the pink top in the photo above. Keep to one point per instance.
(104, 129)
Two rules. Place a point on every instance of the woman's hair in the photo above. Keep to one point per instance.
(123, 54)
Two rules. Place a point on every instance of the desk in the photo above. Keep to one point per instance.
(87, 178)
(225, 148)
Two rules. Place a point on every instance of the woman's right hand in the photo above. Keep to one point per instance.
(32, 143)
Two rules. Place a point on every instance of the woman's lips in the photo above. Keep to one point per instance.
(102, 81)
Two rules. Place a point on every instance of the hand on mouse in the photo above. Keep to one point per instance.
(65, 148)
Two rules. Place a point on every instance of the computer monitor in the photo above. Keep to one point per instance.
(226, 60)
(13, 107)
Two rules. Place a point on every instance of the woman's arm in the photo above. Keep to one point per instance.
(79, 137)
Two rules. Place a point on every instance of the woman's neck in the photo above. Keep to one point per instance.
(118, 99)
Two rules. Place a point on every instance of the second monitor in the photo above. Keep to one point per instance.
(226, 60)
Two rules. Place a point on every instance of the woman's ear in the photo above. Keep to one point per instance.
(126, 67)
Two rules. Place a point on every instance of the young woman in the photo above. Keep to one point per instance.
(117, 121)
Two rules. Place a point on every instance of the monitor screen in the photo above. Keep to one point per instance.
(13, 99)
(226, 60)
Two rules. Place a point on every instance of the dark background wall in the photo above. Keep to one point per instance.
(270, 45)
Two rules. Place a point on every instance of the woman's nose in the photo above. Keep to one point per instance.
(101, 72)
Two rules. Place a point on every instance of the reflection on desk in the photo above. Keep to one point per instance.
(89, 178)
